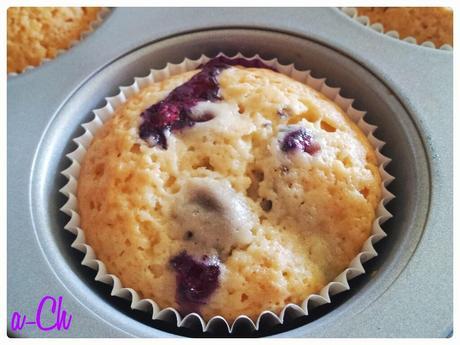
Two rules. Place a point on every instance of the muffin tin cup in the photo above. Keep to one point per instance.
(352, 12)
(93, 26)
(193, 320)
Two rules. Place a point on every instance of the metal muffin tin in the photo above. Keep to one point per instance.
(406, 89)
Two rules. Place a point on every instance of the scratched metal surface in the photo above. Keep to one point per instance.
(406, 89)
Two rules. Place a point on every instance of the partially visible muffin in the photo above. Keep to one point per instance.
(228, 191)
(38, 33)
(433, 24)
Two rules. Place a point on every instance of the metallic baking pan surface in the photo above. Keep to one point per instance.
(414, 298)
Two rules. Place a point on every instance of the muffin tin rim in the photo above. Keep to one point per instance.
(111, 10)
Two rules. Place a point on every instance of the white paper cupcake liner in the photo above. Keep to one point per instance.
(193, 320)
(93, 26)
(352, 12)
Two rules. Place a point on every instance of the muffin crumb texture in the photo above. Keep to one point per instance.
(223, 202)
(433, 24)
(38, 33)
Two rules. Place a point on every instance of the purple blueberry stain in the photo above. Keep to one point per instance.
(300, 139)
(174, 112)
(196, 280)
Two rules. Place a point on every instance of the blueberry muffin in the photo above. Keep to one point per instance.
(38, 33)
(228, 190)
(433, 24)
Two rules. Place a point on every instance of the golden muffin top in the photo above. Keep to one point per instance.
(37, 33)
(433, 24)
(267, 196)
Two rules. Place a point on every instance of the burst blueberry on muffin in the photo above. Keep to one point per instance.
(38, 33)
(228, 190)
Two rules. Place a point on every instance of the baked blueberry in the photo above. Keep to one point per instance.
(196, 280)
(174, 112)
(299, 139)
